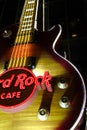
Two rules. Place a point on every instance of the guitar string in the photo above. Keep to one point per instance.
(25, 53)
(13, 55)
(16, 50)
(27, 36)
(23, 40)
(22, 59)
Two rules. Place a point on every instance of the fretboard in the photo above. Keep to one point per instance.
(27, 20)
(25, 35)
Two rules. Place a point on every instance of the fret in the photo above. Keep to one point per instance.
(26, 25)
(21, 39)
(32, 5)
(29, 13)
(26, 17)
(31, 2)
(31, 9)
(25, 35)
(26, 29)
(29, 21)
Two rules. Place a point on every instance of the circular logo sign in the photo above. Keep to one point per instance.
(17, 88)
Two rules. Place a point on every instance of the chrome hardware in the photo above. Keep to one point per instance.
(64, 102)
(65, 55)
(7, 33)
(43, 114)
(62, 84)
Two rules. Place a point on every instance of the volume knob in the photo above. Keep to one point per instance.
(64, 102)
(62, 84)
(43, 114)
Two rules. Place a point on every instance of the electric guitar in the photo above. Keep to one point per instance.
(39, 88)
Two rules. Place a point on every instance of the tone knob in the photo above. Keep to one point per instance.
(64, 102)
(62, 84)
(43, 114)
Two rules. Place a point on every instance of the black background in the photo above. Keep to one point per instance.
(71, 14)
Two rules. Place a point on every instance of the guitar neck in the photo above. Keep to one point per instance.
(25, 35)
(27, 22)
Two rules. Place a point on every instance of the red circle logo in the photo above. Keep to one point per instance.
(17, 88)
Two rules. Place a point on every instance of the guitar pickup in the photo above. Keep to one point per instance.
(6, 65)
(32, 62)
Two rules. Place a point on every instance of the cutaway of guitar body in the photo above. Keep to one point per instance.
(65, 105)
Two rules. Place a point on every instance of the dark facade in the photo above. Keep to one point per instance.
(71, 14)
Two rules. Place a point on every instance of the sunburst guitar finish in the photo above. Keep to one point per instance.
(59, 109)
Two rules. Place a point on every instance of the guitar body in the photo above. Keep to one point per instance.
(64, 113)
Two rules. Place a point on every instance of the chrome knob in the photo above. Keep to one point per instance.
(43, 114)
(62, 84)
(64, 102)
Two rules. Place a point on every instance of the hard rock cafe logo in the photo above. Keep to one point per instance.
(19, 85)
